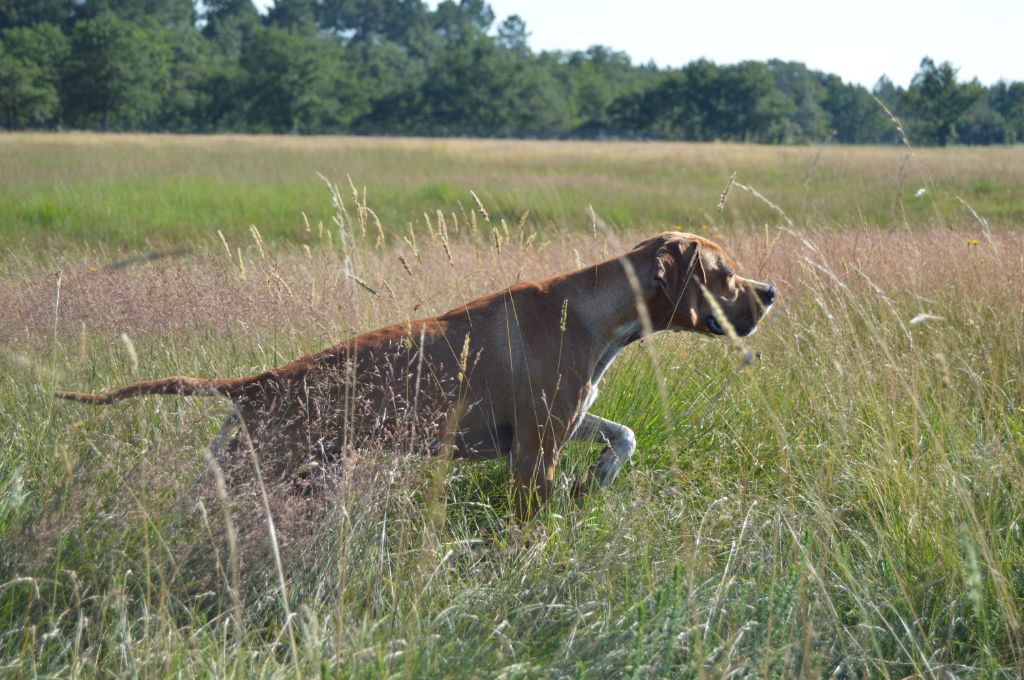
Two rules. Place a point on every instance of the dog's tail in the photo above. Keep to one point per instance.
(178, 385)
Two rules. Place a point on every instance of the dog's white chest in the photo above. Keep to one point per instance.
(622, 335)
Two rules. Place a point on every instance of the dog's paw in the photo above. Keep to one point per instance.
(583, 485)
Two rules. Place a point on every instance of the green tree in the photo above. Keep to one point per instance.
(398, 66)
(172, 14)
(936, 102)
(533, 99)
(703, 101)
(296, 83)
(679, 104)
(31, 59)
(116, 76)
(369, 20)
(513, 36)
(228, 24)
(670, 109)
(475, 87)
(393, 80)
(15, 13)
(854, 117)
(887, 92)
(981, 124)
(298, 15)
(808, 121)
(452, 20)
(750, 108)
(1007, 99)
(700, 91)
(594, 79)
(188, 99)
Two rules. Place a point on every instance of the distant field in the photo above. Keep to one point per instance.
(126, 191)
(849, 505)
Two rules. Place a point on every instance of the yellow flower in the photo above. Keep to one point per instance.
(972, 242)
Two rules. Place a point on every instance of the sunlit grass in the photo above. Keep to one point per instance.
(132, 190)
(850, 504)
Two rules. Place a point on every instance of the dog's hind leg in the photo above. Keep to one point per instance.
(226, 430)
(619, 444)
(217, 446)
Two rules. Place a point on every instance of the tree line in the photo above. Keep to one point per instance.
(399, 67)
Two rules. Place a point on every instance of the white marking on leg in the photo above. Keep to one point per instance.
(226, 430)
(217, 446)
(619, 441)
(621, 445)
(622, 335)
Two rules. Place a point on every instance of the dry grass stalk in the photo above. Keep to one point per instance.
(234, 568)
(480, 207)
(258, 239)
(224, 242)
(442, 228)
(405, 265)
(725, 192)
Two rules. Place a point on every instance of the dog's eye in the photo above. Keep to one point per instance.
(728, 273)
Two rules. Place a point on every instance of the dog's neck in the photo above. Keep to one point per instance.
(613, 318)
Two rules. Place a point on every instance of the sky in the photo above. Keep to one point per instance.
(857, 40)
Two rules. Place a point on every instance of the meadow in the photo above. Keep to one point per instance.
(849, 504)
(138, 191)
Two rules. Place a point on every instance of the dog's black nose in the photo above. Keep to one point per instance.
(767, 295)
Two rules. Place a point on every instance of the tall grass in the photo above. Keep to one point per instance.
(848, 505)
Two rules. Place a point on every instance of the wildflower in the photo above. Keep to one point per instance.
(920, 192)
(972, 242)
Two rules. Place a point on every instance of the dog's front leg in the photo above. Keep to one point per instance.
(619, 441)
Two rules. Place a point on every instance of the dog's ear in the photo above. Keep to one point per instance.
(676, 264)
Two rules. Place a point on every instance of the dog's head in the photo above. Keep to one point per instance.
(691, 277)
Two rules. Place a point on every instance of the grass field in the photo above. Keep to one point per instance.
(136, 190)
(849, 505)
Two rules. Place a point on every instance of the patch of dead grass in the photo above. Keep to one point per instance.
(294, 291)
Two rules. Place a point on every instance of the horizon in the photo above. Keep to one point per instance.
(902, 34)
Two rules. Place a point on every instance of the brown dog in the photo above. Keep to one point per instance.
(515, 372)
